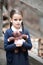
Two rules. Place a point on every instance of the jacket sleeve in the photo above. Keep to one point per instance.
(7, 45)
(27, 44)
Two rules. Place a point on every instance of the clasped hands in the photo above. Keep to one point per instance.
(18, 39)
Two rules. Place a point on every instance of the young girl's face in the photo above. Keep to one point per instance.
(16, 20)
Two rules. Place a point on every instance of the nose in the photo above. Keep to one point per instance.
(18, 21)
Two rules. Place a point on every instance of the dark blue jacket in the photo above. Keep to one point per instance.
(20, 58)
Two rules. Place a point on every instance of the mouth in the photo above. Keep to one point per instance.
(18, 24)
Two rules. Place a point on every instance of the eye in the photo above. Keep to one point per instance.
(15, 19)
(20, 19)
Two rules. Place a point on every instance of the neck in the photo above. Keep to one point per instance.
(16, 29)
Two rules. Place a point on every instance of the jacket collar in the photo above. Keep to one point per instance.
(14, 29)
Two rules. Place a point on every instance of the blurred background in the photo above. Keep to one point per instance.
(33, 21)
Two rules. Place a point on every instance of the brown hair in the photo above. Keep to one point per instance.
(16, 11)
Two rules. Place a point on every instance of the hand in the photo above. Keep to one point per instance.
(24, 36)
(10, 39)
(19, 42)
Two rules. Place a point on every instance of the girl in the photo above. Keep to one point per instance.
(16, 46)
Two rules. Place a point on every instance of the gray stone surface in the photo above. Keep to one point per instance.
(2, 57)
(0, 22)
(38, 4)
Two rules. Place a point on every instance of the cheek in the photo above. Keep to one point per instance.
(20, 22)
(14, 22)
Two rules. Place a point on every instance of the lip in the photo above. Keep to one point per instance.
(18, 24)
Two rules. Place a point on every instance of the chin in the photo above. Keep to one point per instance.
(18, 27)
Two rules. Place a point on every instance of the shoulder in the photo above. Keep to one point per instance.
(8, 31)
(26, 30)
